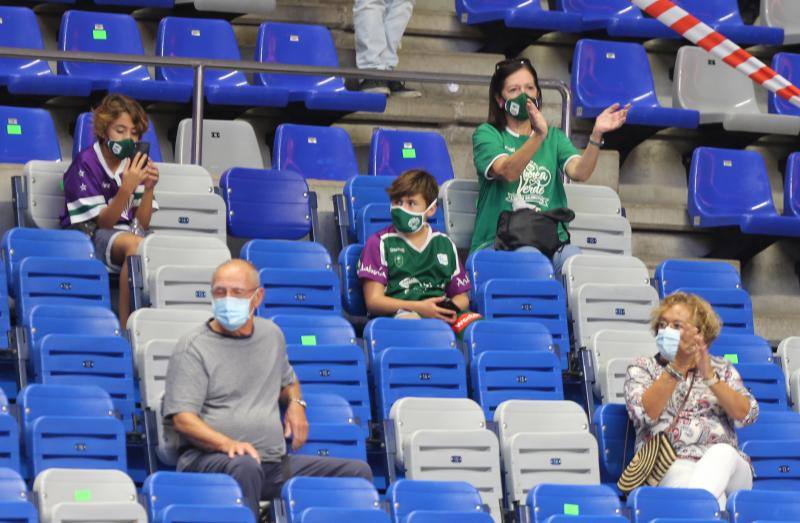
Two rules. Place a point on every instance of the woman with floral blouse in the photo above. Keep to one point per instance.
(703, 437)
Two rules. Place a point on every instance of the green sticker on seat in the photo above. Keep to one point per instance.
(82, 496)
(308, 340)
(572, 510)
(733, 358)
(13, 128)
(409, 153)
(99, 34)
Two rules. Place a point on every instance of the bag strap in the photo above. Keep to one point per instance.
(680, 409)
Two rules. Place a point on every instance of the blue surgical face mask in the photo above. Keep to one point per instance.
(232, 313)
(668, 340)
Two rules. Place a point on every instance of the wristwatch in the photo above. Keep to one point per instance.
(300, 401)
(710, 382)
(599, 144)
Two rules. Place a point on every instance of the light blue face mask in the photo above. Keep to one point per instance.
(232, 313)
(668, 340)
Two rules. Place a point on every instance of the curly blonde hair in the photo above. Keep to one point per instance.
(703, 315)
(111, 107)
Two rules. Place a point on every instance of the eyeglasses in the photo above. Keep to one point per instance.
(512, 61)
(677, 324)
(236, 292)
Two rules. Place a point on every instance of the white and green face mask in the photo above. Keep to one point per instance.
(408, 221)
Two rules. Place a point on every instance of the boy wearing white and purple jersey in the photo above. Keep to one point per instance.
(108, 189)
(407, 270)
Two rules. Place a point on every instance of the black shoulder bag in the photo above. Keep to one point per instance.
(529, 227)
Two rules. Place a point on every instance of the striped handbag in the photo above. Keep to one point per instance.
(651, 462)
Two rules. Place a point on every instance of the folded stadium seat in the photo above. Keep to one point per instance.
(601, 234)
(29, 134)
(723, 95)
(591, 268)
(765, 382)
(352, 291)
(316, 152)
(518, 15)
(782, 14)
(789, 355)
(226, 144)
(446, 439)
(215, 39)
(105, 361)
(84, 137)
(96, 32)
(774, 449)
(259, 7)
(791, 186)
(752, 506)
(618, 17)
(670, 275)
(31, 77)
(303, 493)
(459, 199)
(583, 501)
(382, 333)
(190, 215)
(177, 497)
(39, 196)
(153, 334)
(394, 152)
(489, 335)
(409, 500)
(267, 204)
(733, 306)
(615, 448)
(312, 45)
(742, 348)
(612, 306)
(724, 16)
(486, 265)
(277, 254)
(14, 504)
(9, 442)
(604, 73)
(648, 503)
(333, 430)
(612, 351)
(315, 331)
(788, 66)
(545, 442)
(87, 495)
(730, 187)
(71, 426)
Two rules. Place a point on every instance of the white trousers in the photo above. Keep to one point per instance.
(721, 471)
(379, 26)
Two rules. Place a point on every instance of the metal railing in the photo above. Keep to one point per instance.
(201, 64)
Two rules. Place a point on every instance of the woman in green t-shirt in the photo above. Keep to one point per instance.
(519, 159)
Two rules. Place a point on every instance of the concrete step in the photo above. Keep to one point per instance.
(776, 316)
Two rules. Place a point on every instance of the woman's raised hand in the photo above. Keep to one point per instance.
(611, 119)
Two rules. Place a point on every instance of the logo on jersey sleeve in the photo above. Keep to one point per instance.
(442, 257)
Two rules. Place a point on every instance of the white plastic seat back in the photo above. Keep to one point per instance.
(789, 353)
(612, 382)
(593, 199)
(784, 14)
(153, 377)
(459, 198)
(190, 214)
(608, 344)
(45, 201)
(612, 306)
(516, 416)
(254, 7)
(184, 179)
(601, 234)
(226, 143)
(182, 287)
(594, 268)
(145, 325)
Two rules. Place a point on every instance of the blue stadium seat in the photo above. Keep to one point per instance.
(29, 134)
(105, 361)
(70, 426)
(382, 333)
(14, 504)
(300, 44)
(315, 331)
(733, 306)
(788, 66)
(546, 500)
(518, 15)
(611, 423)
(299, 291)
(604, 73)
(488, 264)
(618, 17)
(731, 188)
(408, 497)
(649, 503)
(302, 493)
(332, 429)
(541, 301)
(341, 515)
(96, 32)
(742, 348)
(791, 186)
(215, 39)
(360, 191)
(277, 254)
(172, 497)
(265, 203)
(31, 77)
(352, 291)
(394, 152)
(752, 506)
(603, 519)
(671, 275)
(318, 152)
(9, 438)
(336, 369)
(771, 425)
(724, 16)
(490, 335)
(766, 383)
(84, 137)
(378, 216)
(402, 371)
(500, 375)
(774, 449)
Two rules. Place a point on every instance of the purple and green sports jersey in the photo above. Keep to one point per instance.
(88, 187)
(411, 274)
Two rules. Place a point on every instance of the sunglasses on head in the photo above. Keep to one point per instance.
(512, 61)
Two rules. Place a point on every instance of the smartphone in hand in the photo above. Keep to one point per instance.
(142, 147)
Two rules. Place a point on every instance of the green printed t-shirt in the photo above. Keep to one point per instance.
(540, 184)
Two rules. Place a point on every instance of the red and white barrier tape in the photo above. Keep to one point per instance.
(700, 34)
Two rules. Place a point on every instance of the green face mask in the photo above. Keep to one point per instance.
(122, 149)
(518, 107)
(407, 221)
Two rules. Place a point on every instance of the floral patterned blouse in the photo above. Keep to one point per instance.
(702, 423)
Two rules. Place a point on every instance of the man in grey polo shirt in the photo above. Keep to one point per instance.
(225, 382)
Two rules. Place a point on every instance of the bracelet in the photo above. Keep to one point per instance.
(672, 372)
(712, 381)
(599, 144)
